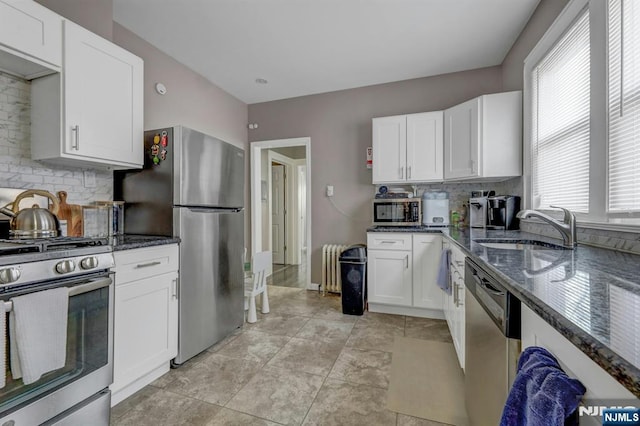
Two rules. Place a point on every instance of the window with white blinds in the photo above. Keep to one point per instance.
(560, 122)
(624, 106)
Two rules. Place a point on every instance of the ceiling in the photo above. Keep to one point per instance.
(304, 47)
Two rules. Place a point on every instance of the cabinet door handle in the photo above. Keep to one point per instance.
(387, 242)
(455, 293)
(146, 265)
(174, 288)
(459, 302)
(409, 172)
(406, 259)
(76, 130)
(459, 262)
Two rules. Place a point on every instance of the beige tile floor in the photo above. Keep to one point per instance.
(303, 363)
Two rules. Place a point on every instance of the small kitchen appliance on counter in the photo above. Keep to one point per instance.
(501, 212)
(396, 211)
(33, 221)
(435, 207)
(478, 212)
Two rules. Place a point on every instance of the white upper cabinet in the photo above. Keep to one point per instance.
(461, 140)
(389, 149)
(95, 105)
(408, 148)
(483, 137)
(424, 146)
(30, 38)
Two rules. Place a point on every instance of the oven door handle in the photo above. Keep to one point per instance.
(90, 286)
(75, 291)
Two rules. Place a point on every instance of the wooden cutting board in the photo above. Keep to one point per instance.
(72, 213)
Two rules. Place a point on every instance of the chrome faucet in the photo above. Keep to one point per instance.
(567, 227)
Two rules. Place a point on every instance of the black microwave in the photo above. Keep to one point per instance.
(397, 211)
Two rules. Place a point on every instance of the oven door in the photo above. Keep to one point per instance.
(89, 361)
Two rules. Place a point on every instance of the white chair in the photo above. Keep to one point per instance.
(257, 284)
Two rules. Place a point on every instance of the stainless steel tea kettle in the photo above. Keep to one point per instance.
(33, 222)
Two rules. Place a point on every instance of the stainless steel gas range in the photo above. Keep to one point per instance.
(77, 393)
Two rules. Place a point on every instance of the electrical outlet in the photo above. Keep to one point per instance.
(329, 190)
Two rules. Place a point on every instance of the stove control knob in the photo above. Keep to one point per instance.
(9, 275)
(65, 267)
(89, 262)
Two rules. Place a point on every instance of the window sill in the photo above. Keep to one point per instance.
(603, 226)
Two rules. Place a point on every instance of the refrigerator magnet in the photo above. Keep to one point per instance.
(163, 154)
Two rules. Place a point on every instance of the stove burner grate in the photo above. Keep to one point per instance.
(17, 246)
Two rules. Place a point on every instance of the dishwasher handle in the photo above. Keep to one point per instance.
(487, 286)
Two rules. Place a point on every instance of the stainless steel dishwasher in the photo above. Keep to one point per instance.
(492, 344)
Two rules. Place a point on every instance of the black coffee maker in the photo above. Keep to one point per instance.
(501, 212)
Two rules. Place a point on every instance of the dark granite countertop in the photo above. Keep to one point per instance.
(128, 241)
(590, 295)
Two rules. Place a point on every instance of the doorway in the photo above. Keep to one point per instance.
(280, 208)
(278, 213)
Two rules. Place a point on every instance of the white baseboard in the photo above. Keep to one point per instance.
(406, 310)
(313, 286)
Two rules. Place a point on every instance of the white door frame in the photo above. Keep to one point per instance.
(256, 193)
(292, 255)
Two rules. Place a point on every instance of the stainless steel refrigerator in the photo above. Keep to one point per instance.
(192, 187)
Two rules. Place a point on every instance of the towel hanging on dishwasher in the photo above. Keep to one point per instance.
(542, 394)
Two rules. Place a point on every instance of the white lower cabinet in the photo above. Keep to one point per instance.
(390, 277)
(401, 274)
(145, 317)
(601, 387)
(426, 259)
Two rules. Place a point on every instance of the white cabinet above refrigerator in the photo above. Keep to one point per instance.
(92, 112)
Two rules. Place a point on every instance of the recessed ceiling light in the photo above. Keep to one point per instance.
(261, 81)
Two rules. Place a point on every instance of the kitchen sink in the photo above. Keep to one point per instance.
(513, 244)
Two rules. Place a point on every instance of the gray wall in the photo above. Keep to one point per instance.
(94, 15)
(339, 125)
(542, 18)
(191, 100)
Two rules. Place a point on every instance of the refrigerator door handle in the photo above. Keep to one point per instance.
(214, 210)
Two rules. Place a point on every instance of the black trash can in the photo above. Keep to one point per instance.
(353, 272)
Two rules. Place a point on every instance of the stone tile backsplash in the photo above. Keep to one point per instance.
(616, 240)
(18, 170)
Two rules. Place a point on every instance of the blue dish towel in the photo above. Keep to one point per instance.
(443, 271)
(542, 394)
